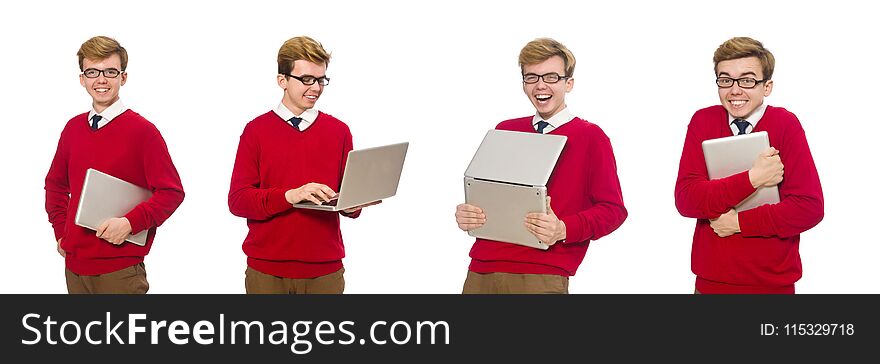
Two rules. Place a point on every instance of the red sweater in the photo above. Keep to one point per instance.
(129, 148)
(764, 257)
(272, 158)
(585, 195)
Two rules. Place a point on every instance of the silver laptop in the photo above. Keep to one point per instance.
(735, 154)
(104, 196)
(370, 175)
(507, 179)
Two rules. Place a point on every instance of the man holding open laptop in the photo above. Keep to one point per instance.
(288, 156)
(120, 143)
(754, 250)
(584, 200)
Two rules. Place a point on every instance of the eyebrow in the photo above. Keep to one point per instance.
(750, 73)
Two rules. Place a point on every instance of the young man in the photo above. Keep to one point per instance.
(118, 141)
(289, 155)
(755, 251)
(587, 203)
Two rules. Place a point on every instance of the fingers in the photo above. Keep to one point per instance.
(103, 227)
(60, 251)
(469, 217)
(468, 208)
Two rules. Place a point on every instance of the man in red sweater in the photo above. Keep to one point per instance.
(587, 203)
(118, 141)
(288, 155)
(754, 251)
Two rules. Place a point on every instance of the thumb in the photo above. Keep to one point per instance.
(549, 209)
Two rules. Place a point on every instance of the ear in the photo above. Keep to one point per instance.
(768, 87)
(569, 84)
(82, 80)
(282, 81)
(124, 76)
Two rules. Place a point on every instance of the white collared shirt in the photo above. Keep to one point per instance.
(108, 114)
(555, 121)
(308, 117)
(752, 119)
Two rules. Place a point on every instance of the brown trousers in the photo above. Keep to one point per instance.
(507, 283)
(130, 280)
(256, 282)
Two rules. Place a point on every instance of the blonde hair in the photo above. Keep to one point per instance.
(542, 49)
(742, 47)
(102, 47)
(300, 48)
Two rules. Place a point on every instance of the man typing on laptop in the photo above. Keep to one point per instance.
(584, 200)
(288, 155)
(754, 251)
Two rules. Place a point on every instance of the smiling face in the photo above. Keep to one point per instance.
(548, 98)
(299, 97)
(742, 102)
(103, 90)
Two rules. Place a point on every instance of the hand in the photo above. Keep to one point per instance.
(357, 208)
(115, 230)
(61, 251)
(315, 192)
(469, 217)
(767, 169)
(546, 227)
(726, 225)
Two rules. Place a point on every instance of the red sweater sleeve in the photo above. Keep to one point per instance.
(163, 180)
(695, 195)
(58, 191)
(246, 198)
(801, 205)
(607, 212)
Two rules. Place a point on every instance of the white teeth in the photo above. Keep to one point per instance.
(737, 102)
(102, 89)
(311, 97)
(542, 97)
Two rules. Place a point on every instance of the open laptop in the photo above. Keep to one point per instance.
(507, 179)
(735, 154)
(370, 175)
(104, 196)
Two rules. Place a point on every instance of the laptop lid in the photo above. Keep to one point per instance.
(735, 154)
(104, 196)
(370, 175)
(516, 157)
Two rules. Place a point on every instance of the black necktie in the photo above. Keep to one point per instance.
(741, 124)
(295, 122)
(541, 125)
(95, 120)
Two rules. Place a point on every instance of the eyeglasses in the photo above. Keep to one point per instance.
(745, 82)
(108, 72)
(552, 77)
(310, 80)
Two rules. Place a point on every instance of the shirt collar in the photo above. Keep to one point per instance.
(110, 113)
(309, 116)
(555, 121)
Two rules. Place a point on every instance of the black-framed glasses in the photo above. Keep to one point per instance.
(108, 72)
(310, 80)
(551, 77)
(745, 82)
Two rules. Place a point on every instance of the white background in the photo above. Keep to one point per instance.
(438, 75)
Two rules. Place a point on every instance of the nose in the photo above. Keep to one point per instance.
(735, 89)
